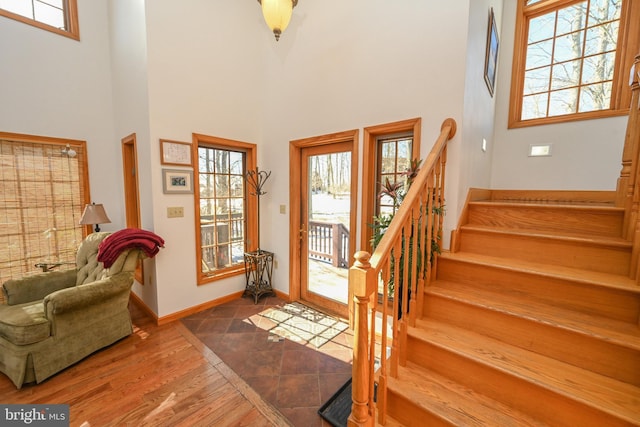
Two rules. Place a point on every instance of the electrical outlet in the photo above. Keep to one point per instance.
(175, 212)
(283, 209)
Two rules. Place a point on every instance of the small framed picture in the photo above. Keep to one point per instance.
(491, 55)
(177, 181)
(175, 153)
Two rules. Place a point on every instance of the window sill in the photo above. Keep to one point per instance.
(221, 274)
(567, 118)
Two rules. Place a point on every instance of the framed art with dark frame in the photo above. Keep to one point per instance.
(491, 55)
(177, 181)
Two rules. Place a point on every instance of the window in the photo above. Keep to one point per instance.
(43, 189)
(571, 59)
(393, 159)
(58, 16)
(388, 149)
(225, 211)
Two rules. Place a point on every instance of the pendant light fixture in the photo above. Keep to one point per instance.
(277, 14)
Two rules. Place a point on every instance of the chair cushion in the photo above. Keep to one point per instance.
(87, 265)
(24, 324)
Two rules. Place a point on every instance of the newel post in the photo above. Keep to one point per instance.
(361, 284)
(629, 173)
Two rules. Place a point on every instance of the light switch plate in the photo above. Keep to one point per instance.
(175, 212)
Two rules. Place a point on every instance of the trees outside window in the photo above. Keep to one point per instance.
(388, 151)
(225, 215)
(571, 59)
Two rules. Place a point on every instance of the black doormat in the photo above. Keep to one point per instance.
(337, 409)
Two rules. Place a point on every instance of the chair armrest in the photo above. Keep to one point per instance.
(82, 296)
(36, 287)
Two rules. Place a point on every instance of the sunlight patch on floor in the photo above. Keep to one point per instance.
(300, 323)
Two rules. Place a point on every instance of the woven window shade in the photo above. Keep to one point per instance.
(42, 193)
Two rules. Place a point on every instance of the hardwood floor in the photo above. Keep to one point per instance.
(158, 376)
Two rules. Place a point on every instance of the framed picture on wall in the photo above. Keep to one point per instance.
(177, 181)
(491, 55)
(175, 153)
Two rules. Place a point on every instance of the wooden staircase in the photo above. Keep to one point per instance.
(532, 319)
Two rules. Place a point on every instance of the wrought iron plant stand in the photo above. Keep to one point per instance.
(258, 265)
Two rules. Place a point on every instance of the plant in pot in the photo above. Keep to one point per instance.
(397, 191)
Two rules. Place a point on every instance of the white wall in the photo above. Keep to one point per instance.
(348, 65)
(204, 76)
(131, 111)
(55, 86)
(212, 67)
(479, 109)
(586, 154)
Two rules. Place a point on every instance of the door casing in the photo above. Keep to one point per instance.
(295, 180)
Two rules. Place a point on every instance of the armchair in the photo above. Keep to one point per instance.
(52, 320)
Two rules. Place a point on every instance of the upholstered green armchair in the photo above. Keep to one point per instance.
(52, 320)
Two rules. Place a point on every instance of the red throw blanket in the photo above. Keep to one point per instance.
(129, 238)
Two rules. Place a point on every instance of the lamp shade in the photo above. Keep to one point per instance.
(94, 214)
(277, 14)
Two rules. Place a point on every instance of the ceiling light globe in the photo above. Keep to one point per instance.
(277, 14)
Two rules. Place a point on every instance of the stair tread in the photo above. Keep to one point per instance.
(593, 278)
(551, 234)
(453, 402)
(608, 395)
(551, 204)
(610, 330)
(571, 197)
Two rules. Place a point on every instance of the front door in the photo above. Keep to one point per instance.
(326, 224)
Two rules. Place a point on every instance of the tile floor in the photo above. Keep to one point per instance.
(295, 357)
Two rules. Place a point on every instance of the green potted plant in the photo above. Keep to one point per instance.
(397, 191)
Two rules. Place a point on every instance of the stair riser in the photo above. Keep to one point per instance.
(605, 259)
(543, 404)
(595, 354)
(411, 415)
(594, 300)
(550, 219)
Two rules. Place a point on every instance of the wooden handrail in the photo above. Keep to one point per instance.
(628, 188)
(387, 285)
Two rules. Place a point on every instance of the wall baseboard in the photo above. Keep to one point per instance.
(195, 309)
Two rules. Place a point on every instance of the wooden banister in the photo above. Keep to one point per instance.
(405, 257)
(628, 188)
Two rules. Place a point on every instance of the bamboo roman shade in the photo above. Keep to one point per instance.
(43, 188)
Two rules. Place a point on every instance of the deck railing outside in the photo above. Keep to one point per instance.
(405, 258)
(329, 242)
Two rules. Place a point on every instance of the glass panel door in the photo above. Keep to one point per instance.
(326, 216)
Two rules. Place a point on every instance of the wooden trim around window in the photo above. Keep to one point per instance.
(371, 135)
(628, 46)
(251, 151)
(71, 20)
